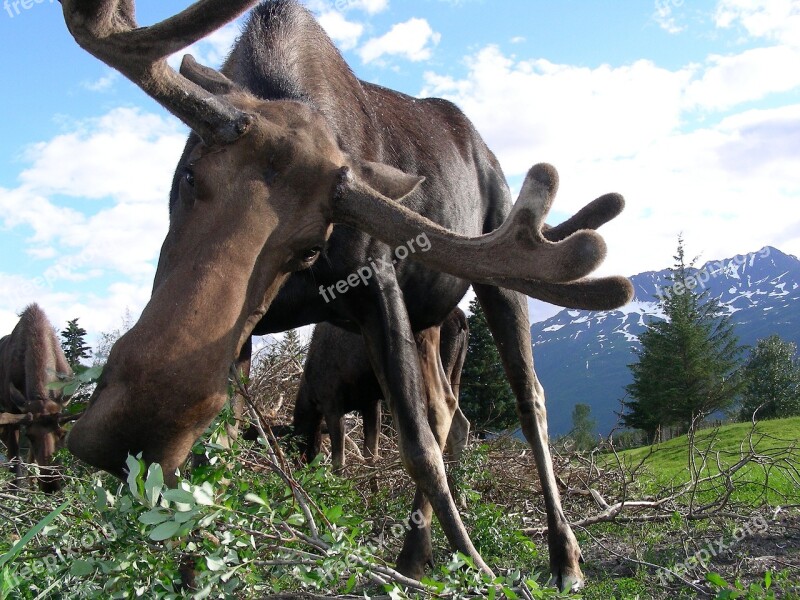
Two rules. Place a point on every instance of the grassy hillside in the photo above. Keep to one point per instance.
(667, 464)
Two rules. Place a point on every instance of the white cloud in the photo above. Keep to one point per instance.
(725, 181)
(371, 7)
(777, 20)
(663, 15)
(94, 200)
(103, 84)
(531, 110)
(413, 40)
(213, 49)
(345, 33)
(97, 312)
(727, 81)
(106, 156)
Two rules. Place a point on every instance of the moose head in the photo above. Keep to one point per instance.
(41, 418)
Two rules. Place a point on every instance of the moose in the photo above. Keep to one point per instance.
(338, 378)
(30, 359)
(286, 143)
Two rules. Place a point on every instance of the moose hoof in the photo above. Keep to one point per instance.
(413, 564)
(567, 581)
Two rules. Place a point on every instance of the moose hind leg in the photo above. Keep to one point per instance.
(507, 316)
(337, 433)
(372, 426)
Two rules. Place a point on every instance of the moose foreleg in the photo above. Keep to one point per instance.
(417, 550)
(507, 316)
(393, 353)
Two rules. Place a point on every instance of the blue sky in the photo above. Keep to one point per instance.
(690, 109)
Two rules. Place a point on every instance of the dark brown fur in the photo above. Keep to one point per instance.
(30, 359)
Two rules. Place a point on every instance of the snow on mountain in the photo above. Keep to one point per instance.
(582, 356)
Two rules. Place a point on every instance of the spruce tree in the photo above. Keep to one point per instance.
(583, 426)
(485, 396)
(73, 343)
(771, 380)
(688, 363)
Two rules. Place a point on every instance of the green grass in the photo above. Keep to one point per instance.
(777, 441)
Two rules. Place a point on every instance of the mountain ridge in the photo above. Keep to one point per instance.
(582, 356)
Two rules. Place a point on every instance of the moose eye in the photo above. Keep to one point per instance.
(188, 176)
(309, 254)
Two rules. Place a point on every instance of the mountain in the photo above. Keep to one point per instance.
(582, 356)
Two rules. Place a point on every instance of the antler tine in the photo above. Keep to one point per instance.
(602, 293)
(598, 212)
(517, 250)
(107, 29)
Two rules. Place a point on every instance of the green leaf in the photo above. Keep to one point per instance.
(204, 495)
(334, 513)
(154, 516)
(81, 568)
(91, 374)
(182, 517)
(296, 519)
(103, 498)
(180, 497)
(351, 583)
(165, 531)
(255, 499)
(716, 579)
(154, 484)
(214, 563)
(767, 579)
(71, 387)
(134, 469)
(209, 519)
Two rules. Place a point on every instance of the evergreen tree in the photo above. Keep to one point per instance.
(688, 363)
(292, 348)
(583, 426)
(771, 380)
(73, 343)
(485, 396)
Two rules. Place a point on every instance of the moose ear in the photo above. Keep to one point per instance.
(388, 181)
(17, 398)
